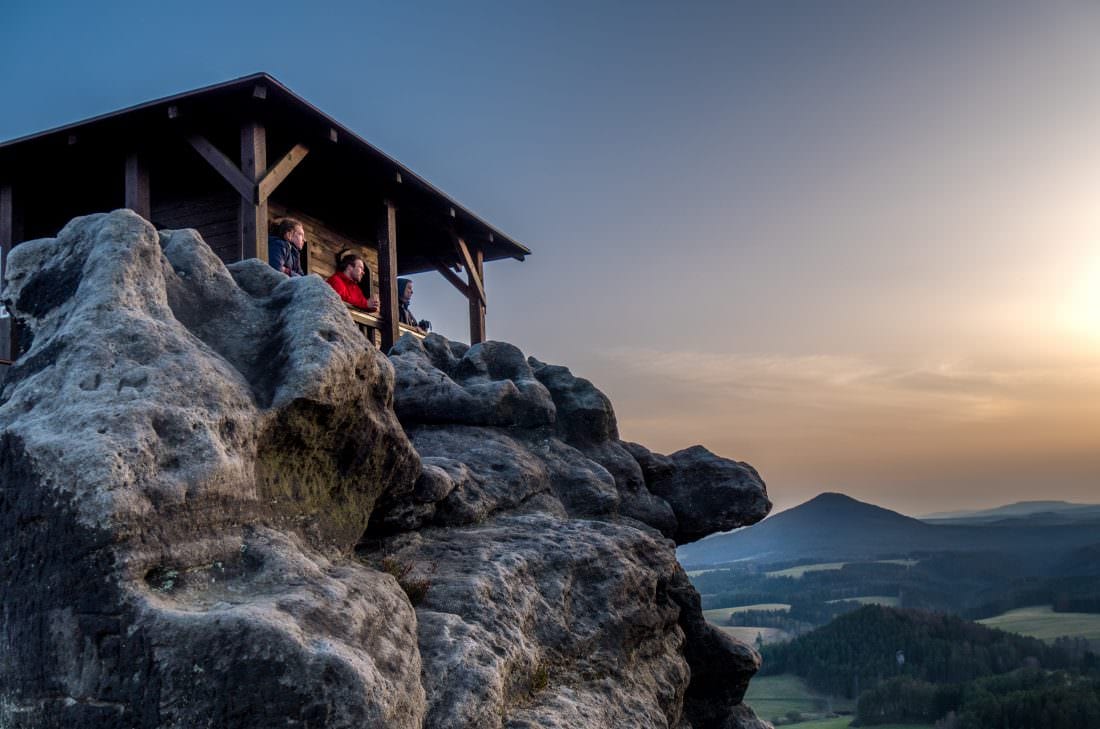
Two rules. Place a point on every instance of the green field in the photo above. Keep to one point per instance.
(842, 722)
(772, 697)
(802, 569)
(872, 600)
(721, 616)
(696, 573)
(1042, 622)
(748, 633)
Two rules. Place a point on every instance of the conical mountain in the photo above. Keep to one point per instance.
(830, 526)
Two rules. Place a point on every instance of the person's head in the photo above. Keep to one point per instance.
(351, 265)
(404, 290)
(291, 231)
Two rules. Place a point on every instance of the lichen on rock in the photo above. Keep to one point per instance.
(190, 452)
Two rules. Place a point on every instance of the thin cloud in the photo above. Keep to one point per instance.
(957, 391)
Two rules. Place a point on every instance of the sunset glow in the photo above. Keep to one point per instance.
(854, 244)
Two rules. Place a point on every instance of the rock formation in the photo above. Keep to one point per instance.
(218, 507)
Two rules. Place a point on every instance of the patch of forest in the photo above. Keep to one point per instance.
(913, 665)
(975, 585)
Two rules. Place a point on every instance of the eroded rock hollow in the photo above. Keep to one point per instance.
(220, 507)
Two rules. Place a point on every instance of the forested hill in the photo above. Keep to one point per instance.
(834, 527)
(858, 650)
(830, 525)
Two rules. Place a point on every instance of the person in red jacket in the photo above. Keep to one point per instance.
(350, 270)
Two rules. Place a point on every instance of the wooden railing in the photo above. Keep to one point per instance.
(371, 325)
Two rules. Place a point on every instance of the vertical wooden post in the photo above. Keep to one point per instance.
(387, 275)
(253, 213)
(477, 309)
(8, 334)
(7, 226)
(137, 185)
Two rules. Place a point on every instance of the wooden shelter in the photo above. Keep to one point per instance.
(230, 159)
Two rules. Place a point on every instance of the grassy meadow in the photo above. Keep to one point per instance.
(720, 616)
(747, 633)
(773, 697)
(1043, 623)
(802, 569)
(884, 600)
(843, 722)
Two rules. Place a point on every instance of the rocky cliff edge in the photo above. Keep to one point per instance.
(219, 507)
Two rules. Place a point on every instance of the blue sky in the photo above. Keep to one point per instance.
(856, 244)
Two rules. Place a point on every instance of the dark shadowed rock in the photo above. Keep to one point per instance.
(487, 384)
(720, 666)
(584, 414)
(188, 453)
(707, 493)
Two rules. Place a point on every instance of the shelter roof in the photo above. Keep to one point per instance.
(286, 113)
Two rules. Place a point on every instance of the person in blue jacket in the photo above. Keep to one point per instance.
(284, 249)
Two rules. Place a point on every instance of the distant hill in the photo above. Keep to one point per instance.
(1017, 510)
(834, 527)
(1082, 562)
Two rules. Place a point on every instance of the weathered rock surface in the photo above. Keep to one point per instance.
(184, 466)
(189, 453)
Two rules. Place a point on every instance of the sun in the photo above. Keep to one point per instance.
(1082, 308)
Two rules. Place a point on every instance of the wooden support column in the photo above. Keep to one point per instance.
(252, 181)
(9, 236)
(476, 276)
(387, 275)
(7, 225)
(253, 212)
(137, 185)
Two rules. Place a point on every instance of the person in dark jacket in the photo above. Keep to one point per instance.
(284, 249)
(404, 296)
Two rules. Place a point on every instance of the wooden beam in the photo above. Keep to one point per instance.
(253, 212)
(224, 166)
(279, 171)
(137, 185)
(473, 271)
(9, 236)
(7, 226)
(451, 276)
(387, 275)
(477, 304)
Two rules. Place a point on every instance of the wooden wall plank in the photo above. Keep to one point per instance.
(324, 242)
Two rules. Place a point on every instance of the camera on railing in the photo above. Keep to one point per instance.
(425, 325)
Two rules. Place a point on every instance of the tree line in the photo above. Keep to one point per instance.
(1027, 697)
(975, 585)
(863, 648)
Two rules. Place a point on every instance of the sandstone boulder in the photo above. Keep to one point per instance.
(189, 452)
(182, 461)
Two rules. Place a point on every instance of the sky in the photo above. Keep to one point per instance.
(853, 243)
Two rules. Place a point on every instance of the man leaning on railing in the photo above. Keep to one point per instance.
(350, 270)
